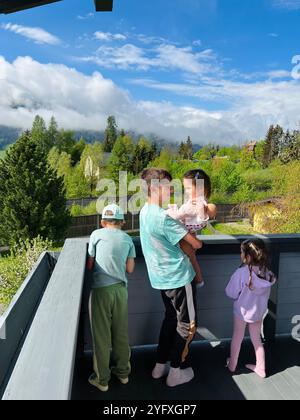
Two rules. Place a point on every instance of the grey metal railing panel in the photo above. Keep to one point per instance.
(15, 321)
(288, 291)
(44, 370)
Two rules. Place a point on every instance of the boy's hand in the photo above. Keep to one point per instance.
(90, 263)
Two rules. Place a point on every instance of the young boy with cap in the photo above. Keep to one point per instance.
(111, 255)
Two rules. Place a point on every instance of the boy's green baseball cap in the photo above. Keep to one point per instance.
(113, 212)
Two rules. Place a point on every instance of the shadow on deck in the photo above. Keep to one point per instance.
(212, 380)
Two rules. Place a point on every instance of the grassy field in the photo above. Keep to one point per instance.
(239, 228)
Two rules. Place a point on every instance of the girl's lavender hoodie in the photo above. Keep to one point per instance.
(250, 305)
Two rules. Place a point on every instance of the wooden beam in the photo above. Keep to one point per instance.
(12, 6)
(103, 5)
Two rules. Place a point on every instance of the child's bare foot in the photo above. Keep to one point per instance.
(229, 367)
(259, 372)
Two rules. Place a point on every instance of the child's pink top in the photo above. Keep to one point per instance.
(192, 215)
(250, 305)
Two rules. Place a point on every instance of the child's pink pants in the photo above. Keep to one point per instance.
(238, 337)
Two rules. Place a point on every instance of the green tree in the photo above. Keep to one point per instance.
(186, 149)
(76, 183)
(52, 133)
(247, 161)
(39, 134)
(121, 158)
(272, 145)
(65, 141)
(77, 151)
(32, 197)
(291, 147)
(144, 153)
(111, 134)
(90, 162)
(164, 160)
(207, 152)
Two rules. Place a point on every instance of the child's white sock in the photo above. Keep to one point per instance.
(160, 370)
(179, 376)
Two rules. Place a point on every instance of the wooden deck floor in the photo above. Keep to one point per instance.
(212, 380)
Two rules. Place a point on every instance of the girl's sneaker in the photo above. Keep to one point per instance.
(93, 381)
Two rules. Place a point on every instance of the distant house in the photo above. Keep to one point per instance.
(251, 146)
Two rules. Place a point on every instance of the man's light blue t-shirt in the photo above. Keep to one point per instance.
(111, 248)
(168, 266)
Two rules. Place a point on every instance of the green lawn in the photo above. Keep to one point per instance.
(239, 228)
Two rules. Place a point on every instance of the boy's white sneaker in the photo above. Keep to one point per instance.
(124, 381)
(160, 370)
(180, 376)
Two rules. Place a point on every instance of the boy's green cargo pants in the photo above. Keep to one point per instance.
(109, 322)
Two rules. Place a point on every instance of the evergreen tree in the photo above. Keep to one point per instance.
(77, 151)
(267, 154)
(52, 133)
(144, 153)
(121, 158)
(277, 139)
(186, 149)
(65, 141)
(111, 134)
(32, 197)
(39, 134)
(291, 147)
(189, 148)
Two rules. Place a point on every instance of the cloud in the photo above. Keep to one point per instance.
(107, 36)
(81, 101)
(164, 57)
(38, 35)
(273, 35)
(87, 16)
(287, 4)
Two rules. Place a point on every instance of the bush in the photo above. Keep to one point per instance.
(90, 210)
(15, 267)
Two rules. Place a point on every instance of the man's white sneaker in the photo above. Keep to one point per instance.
(179, 376)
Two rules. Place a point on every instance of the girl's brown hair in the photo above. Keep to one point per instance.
(196, 174)
(257, 252)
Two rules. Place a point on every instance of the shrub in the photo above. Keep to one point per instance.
(15, 267)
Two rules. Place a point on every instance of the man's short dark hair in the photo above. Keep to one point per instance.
(154, 173)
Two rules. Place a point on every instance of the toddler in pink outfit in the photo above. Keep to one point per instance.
(195, 212)
(250, 287)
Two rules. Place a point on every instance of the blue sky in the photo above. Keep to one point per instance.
(218, 70)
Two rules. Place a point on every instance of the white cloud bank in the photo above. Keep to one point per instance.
(81, 101)
(38, 35)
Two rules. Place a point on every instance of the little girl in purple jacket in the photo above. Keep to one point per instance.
(250, 287)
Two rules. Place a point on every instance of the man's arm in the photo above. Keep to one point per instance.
(193, 241)
(130, 265)
(90, 263)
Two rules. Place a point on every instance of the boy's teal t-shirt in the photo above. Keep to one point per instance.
(111, 248)
(168, 266)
